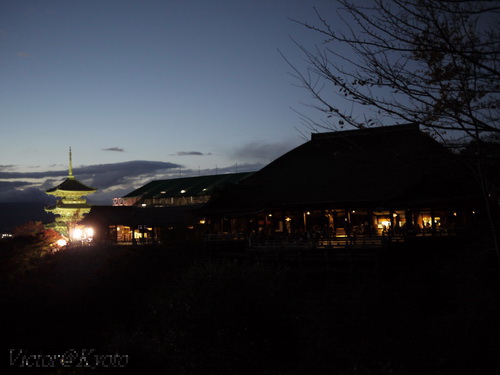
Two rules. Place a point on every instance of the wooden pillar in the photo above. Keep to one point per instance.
(370, 221)
(348, 218)
(409, 222)
(433, 222)
(134, 241)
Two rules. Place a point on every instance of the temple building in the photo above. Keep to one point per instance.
(158, 212)
(393, 180)
(71, 206)
(179, 191)
(354, 188)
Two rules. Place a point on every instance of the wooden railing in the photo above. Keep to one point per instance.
(314, 243)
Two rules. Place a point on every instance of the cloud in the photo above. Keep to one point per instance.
(105, 177)
(6, 167)
(186, 153)
(23, 55)
(236, 168)
(137, 167)
(7, 185)
(261, 151)
(112, 180)
(26, 195)
(118, 149)
(49, 184)
(13, 175)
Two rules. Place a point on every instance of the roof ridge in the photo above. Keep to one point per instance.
(365, 131)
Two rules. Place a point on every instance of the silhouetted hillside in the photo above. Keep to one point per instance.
(177, 311)
(13, 214)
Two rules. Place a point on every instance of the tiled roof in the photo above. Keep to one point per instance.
(396, 165)
(187, 186)
(71, 184)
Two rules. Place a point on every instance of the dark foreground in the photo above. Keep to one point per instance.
(138, 310)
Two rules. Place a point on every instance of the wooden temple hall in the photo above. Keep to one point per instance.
(360, 185)
(159, 211)
(346, 187)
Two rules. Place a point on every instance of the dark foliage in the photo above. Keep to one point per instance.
(425, 311)
(30, 245)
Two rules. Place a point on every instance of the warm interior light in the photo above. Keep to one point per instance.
(288, 218)
(77, 234)
(202, 221)
(89, 232)
(61, 242)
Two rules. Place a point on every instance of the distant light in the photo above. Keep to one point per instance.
(353, 211)
(89, 232)
(143, 205)
(202, 221)
(473, 212)
(270, 215)
(61, 242)
(288, 218)
(454, 214)
(308, 213)
(183, 191)
(77, 234)
(394, 214)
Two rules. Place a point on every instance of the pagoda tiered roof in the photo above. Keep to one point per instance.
(72, 206)
(71, 185)
(60, 205)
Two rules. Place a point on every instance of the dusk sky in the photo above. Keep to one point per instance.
(147, 89)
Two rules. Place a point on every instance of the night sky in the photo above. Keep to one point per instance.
(147, 89)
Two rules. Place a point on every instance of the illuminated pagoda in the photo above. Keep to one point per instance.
(69, 210)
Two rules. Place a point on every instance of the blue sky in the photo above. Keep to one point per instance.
(183, 87)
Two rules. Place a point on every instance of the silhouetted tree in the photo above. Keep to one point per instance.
(434, 62)
(30, 245)
(29, 229)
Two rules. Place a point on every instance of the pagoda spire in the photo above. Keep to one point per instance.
(72, 205)
(70, 165)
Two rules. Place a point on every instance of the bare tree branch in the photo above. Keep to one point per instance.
(428, 61)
